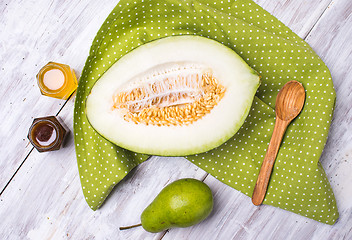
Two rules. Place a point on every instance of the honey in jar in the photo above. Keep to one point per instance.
(57, 80)
(46, 134)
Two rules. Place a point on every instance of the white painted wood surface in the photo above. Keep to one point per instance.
(41, 196)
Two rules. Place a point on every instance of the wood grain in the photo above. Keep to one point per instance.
(44, 199)
(262, 182)
(300, 15)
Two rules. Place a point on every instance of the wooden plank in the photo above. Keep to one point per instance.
(299, 15)
(32, 35)
(331, 39)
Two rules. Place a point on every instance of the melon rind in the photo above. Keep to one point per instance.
(212, 130)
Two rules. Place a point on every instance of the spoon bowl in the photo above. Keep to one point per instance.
(290, 101)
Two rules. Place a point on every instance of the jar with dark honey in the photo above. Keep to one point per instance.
(47, 134)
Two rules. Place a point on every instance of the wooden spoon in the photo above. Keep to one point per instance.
(289, 103)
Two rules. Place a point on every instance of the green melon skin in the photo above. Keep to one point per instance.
(182, 203)
(211, 131)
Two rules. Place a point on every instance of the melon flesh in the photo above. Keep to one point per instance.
(170, 59)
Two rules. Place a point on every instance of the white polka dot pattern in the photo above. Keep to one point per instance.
(298, 182)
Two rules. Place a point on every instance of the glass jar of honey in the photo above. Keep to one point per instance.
(46, 134)
(57, 80)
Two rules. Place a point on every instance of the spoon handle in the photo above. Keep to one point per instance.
(268, 162)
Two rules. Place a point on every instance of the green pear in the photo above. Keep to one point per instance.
(182, 203)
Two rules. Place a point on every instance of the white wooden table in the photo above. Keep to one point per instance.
(41, 196)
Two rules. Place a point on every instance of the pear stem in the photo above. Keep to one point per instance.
(132, 226)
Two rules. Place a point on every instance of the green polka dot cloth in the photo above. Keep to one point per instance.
(298, 183)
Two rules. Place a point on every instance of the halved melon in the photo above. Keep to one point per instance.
(174, 96)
